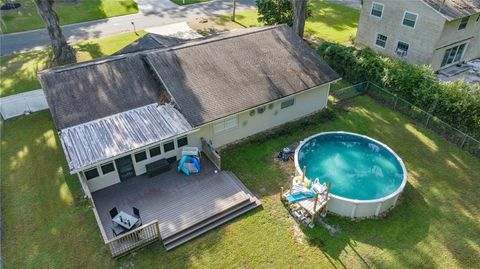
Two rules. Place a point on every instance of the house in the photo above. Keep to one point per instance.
(439, 33)
(118, 114)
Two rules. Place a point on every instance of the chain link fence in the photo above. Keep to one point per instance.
(429, 121)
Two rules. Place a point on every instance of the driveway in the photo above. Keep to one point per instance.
(152, 13)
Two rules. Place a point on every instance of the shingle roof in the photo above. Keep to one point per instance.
(88, 91)
(230, 73)
(92, 142)
(455, 9)
(150, 41)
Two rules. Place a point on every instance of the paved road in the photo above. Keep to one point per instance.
(152, 13)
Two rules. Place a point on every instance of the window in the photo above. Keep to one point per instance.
(409, 19)
(381, 41)
(183, 141)
(155, 151)
(287, 103)
(453, 55)
(402, 49)
(225, 125)
(92, 173)
(377, 10)
(140, 156)
(463, 23)
(168, 146)
(107, 168)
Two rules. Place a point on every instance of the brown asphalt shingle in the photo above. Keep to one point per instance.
(455, 9)
(230, 73)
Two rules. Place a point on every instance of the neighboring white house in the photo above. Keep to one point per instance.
(117, 114)
(440, 33)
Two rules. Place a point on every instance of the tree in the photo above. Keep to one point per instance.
(62, 52)
(279, 11)
(299, 16)
(275, 12)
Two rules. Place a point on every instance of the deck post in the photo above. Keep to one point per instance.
(281, 193)
(303, 172)
(158, 229)
(314, 216)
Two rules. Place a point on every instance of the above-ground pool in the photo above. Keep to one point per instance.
(366, 176)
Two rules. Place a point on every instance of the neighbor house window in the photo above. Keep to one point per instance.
(287, 103)
(381, 40)
(402, 49)
(377, 9)
(453, 55)
(107, 168)
(92, 173)
(155, 151)
(183, 141)
(169, 146)
(463, 23)
(140, 156)
(410, 19)
(225, 125)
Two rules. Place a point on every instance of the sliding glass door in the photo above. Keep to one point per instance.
(453, 55)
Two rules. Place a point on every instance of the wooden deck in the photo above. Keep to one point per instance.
(182, 204)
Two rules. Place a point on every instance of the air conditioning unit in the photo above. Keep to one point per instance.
(401, 53)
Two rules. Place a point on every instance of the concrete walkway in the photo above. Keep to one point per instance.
(356, 4)
(152, 13)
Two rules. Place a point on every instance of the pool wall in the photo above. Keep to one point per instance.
(358, 208)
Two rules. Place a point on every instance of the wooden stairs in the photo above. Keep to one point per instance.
(246, 202)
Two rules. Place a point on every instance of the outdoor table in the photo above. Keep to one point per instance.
(125, 220)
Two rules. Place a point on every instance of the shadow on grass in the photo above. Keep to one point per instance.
(399, 232)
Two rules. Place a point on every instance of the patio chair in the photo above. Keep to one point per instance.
(113, 212)
(136, 214)
(118, 230)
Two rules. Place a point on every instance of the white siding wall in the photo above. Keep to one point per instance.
(452, 37)
(422, 39)
(305, 104)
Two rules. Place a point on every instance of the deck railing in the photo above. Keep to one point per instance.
(132, 240)
(211, 153)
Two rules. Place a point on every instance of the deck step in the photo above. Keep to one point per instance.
(205, 222)
(217, 220)
(209, 227)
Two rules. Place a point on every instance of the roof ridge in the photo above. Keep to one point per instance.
(200, 41)
(219, 37)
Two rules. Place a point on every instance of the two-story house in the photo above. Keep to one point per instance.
(440, 33)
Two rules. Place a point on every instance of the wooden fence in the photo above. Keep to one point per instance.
(211, 153)
(132, 240)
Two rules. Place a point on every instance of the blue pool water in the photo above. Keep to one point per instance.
(358, 168)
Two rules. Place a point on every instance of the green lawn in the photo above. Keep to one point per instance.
(329, 21)
(18, 72)
(435, 225)
(27, 18)
(188, 2)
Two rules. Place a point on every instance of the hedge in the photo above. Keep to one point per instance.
(457, 103)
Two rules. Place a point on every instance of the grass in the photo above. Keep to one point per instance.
(18, 72)
(329, 21)
(188, 2)
(435, 225)
(27, 18)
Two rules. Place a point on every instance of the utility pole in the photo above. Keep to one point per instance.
(234, 7)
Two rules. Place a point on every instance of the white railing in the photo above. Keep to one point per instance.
(132, 240)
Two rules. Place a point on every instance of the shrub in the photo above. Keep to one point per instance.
(457, 103)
